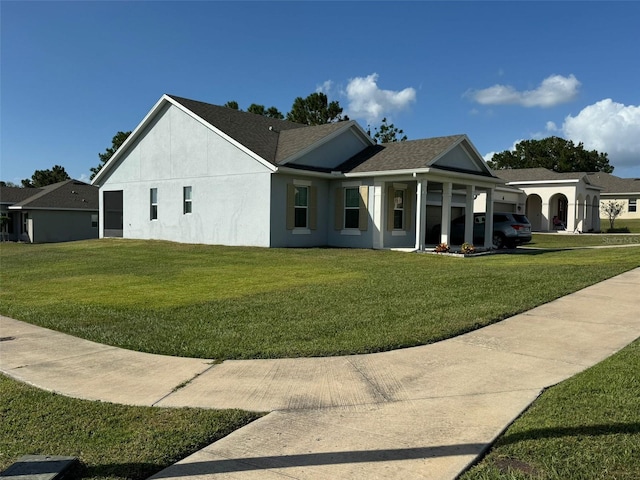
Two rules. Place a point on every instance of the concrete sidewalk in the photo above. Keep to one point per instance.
(423, 412)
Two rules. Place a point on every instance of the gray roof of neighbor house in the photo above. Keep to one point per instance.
(67, 195)
(535, 174)
(12, 195)
(613, 184)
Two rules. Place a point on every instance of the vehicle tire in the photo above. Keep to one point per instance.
(498, 240)
(510, 243)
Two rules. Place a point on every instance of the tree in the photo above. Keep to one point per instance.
(232, 104)
(554, 153)
(315, 110)
(7, 184)
(116, 142)
(387, 133)
(42, 178)
(612, 210)
(271, 112)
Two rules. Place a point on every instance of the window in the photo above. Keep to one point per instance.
(351, 207)
(186, 203)
(633, 205)
(301, 206)
(94, 220)
(153, 193)
(302, 198)
(398, 210)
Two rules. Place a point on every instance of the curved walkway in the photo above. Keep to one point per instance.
(422, 412)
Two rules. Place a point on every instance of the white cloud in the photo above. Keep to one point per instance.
(325, 87)
(366, 100)
(551, 127)
(610, 127)
(553, 90)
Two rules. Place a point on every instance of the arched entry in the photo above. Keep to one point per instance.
(588, 210)
(533, 211)
(595, 214)
(558, 205)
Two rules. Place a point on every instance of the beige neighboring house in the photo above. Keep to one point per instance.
(625, 190)
(573, 197)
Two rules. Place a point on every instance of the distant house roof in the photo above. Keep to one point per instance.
(12, 195)
(535, 175)
(613, 184)
(67, 195)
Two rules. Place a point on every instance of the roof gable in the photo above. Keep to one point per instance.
(420, 154)
(613, 184)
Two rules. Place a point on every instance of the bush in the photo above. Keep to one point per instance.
(618, 230)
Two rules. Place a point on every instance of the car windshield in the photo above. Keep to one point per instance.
(521, 218)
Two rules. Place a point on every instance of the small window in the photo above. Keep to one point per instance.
(94, 220)
(398, 209)
(301, 206)
(153, 215)
(633, 205)
(186, 205)
(351, 207)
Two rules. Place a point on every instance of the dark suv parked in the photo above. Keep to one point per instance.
(509, 229)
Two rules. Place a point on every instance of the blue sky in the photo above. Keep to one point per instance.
(75, 73)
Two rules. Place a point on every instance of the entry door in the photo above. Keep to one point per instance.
(113, 213)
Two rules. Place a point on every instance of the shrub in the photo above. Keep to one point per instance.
(467, 248)
(442, 248)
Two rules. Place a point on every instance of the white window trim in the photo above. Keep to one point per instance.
(351, 231)
(302, 230)
(186, 201)
(397, 232)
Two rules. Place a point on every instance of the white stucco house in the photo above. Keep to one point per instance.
(199, 173)
(542, 194)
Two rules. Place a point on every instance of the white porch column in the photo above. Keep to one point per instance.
(445, 221)
(488, 220)
(572, 216)
(468, 211)
(376, 207)
(421, 212)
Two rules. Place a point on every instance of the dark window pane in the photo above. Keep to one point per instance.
(351, 218)
(397, 219)
(300, 218)
(352, 197)
(301, 197)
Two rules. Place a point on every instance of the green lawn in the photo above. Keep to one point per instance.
(568, 240)
(586, 428)
(111, 441)
(222, 302)
(632, 224)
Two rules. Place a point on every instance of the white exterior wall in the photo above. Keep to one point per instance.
(230, 189)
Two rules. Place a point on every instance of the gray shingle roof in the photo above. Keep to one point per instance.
(408, 155)
(613, 184)
(67, 195)
(535, 174)
(11, 195)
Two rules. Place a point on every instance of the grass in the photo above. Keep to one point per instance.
(222, 302)
(586, 428)
(633, 224)
(111, 441)
(561, 240)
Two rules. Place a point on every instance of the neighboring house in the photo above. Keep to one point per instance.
(573, 197)
(60, 212)
(625, 190)
(199, 173)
